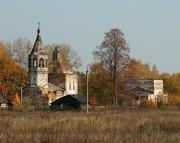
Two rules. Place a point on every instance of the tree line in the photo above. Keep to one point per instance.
(111, 67)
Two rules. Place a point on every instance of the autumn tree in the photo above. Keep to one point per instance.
(154, 72)
(136, 69)
(99, 84)
(81, 83)
(19, 50)
(171, 83)
(113, 53)
(15, 100)
(12, 76)
(93, 102)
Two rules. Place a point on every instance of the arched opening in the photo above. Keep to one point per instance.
(34, 63)
(41, 63)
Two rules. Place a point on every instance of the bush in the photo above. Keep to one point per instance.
(178, 104)
(93, 102)
(37, 103)
(173, 100)
(146, 104)
(162, 105)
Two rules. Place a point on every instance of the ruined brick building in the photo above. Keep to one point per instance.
(145, 89)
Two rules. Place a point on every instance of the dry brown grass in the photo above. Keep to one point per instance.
(122, 126)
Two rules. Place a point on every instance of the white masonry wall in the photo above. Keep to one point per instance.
(71, 84)
(158, 87)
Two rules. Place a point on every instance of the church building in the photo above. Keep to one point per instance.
(38, 64)
(62, 76)
(53, 84)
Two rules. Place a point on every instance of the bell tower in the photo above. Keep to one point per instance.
(38, 63)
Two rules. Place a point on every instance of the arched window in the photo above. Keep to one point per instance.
(34, 63)
(41, 63)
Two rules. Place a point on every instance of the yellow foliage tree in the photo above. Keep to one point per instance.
(93, 102)
(173, 100)
(12, 76)
(15, 100)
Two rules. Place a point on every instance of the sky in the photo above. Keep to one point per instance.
(151, 27)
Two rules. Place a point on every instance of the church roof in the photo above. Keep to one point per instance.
(139, 88)
(38, 46)
(60, 68)
(54, 87)
(70, 99)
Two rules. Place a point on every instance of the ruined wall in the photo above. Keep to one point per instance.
(57, 79)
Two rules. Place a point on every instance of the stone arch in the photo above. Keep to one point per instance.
(41, 62)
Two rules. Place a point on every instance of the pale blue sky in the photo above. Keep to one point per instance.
(151, 27)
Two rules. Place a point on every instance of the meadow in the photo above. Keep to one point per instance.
(118, 126)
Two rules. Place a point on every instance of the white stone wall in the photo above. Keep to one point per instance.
(152, 97)
(158, 91)
(71, 84)
(38, 75)
(42, 79)
(158, 87)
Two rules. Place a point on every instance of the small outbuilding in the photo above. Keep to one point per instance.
(69, 102)
(3, 102)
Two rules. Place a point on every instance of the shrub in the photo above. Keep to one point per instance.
(37, 103)
(174, 100)
(146, 104)
(162, 105)
(178, 104)
(93, 102)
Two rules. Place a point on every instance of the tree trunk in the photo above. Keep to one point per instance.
(114, 72)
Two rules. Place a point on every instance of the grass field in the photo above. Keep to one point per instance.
(120, 126)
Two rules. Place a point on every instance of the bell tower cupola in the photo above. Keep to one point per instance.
(38, 63)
